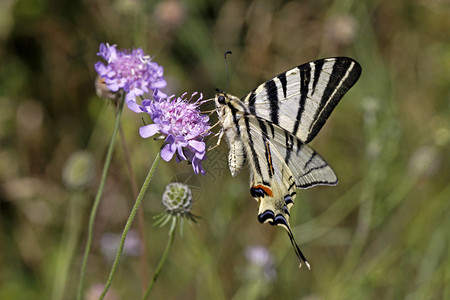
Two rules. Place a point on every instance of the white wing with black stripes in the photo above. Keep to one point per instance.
(300, 100)
(307, 166)
(269, 129)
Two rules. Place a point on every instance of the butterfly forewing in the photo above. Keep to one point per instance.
(301, 99)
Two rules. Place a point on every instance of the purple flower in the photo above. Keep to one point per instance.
(134, 72)
(261, 258)
(182, 124)
(109, 243)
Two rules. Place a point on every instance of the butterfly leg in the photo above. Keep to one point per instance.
(220, 133)
(209, 129)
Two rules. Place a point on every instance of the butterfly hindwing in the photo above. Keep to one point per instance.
(272, 186)
(307, 166)
(290, 164)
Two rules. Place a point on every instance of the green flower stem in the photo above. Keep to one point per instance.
(99, 196)
(128, 225)
(69, 243)
(163, 258)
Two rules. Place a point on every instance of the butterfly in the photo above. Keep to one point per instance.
(270, 128)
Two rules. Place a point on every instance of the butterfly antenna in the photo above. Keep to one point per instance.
(297, 250)
(226, 65)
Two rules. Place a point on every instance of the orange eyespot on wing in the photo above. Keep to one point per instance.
(260, 191)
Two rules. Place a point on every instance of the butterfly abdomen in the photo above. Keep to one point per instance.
(236, 157)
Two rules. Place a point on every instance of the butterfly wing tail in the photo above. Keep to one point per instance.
(268, 213)
(297, 250)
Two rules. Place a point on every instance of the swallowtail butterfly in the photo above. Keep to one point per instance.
(269, 129)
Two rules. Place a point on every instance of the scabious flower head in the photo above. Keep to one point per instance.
(183, 125)
(132, 71)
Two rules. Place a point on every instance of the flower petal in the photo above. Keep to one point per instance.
(181, 154)
(148, 130)
(197, 145)
(159, 84)
(100, 68)
(167, 152)
(201, 155)
(197, 166)
(146, 102)
(134, 106)
(136, 92)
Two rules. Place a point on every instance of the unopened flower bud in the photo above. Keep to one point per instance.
(177, 198)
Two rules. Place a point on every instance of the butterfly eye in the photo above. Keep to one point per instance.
(221, 100)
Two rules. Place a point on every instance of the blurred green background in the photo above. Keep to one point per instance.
(382, 233)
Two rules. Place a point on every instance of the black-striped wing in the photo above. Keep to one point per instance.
(301, 99)
(307, 166)
(269, 129)
(279, 163)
